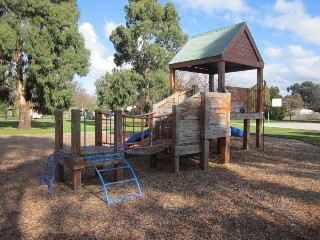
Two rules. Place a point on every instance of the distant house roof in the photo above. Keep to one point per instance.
(233, 44)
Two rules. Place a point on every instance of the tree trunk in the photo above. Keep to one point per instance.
(24, 105)
(24, 108)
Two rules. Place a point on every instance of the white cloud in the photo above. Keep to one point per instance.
(92, 41)
(297, 51)
(228, 10)
(273, 52)
(298, 65)
(293, 16)
(210, 6)
(99, 63)
(109, 27)
(295, 65)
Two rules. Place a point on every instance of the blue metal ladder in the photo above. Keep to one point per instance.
(53, 166)
(109, 159)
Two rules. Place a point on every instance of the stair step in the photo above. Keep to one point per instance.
(123, 181)
(110, 169)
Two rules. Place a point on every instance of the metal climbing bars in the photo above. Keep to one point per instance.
(111, 163)
(50, 170)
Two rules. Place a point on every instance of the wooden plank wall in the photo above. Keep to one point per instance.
(239, 98)
(186, 126)
(193, 118)
(219, 114)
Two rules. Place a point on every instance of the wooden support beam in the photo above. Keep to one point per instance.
(118, 130)
(204, 154)
(259, 133)
(175, 137)
(175, 164)
(211, 82)
(98, 128)
(225, 150)
(76, 179)
(60, 173)
(195, 89)
(118, 173)
(259, 106)
(221, 76)
(205, 124)
(172, 81)
(153, 160)
(58, 116)
(75, 132)
(246, 135)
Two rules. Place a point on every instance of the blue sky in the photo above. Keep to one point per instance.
(286, 32)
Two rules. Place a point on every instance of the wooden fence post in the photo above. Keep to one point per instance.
(175, 137)
(205, 121)
(75, 146)
(75, 132)
(98, 128)
(58, 115)
(118, 130)
(246, 135)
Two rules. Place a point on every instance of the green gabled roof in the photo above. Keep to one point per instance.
(209, 44)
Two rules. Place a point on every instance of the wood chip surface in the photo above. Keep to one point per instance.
(271, 194)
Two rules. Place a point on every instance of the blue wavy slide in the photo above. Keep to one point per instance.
(236, 132)
(137, 137)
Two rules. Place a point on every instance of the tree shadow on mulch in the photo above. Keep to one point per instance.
(22, 160)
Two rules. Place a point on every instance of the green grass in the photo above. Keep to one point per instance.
(40, 127)
(303, 135)
(47, 126)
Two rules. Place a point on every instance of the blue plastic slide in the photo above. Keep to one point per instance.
(137, 137)
(236, 132)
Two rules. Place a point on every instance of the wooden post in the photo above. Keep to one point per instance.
(76, 179)
(205, 121)
(153, 160)
(175, 137)
(172, 81)
(211, 82)
(195, 89)
(246, 136)
(98, 128)
(221, 76)
(75, 146)
(118, 173)
(259, 133)
(259, 107)
(58, 115)
(75, 132)
(225, 150)
(118, 130)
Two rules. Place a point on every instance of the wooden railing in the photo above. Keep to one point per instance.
(253, 98)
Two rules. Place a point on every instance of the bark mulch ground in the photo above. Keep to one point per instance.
(273, 194)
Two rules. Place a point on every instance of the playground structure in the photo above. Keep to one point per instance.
(230, 49)
(183, 123)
